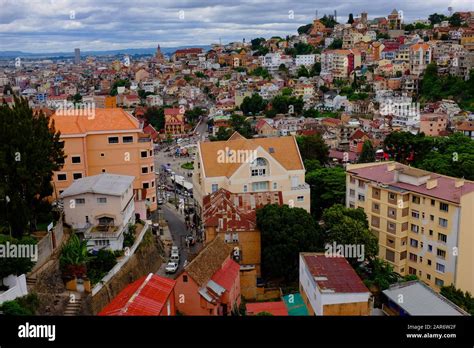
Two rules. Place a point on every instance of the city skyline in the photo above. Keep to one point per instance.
(58, 26)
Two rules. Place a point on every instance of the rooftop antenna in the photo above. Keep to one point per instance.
(316, 14)
(335, 15)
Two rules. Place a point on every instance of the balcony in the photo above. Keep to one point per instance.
(103, 232)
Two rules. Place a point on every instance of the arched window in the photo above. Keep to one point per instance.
(259, 167)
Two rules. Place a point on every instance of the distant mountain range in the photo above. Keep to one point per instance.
(129, 51)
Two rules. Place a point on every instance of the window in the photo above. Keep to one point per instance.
(361, 184)
(102, 200)
(259, 167)
(375, 207)
(103, 170)
(352, 193)
(439, 282)
(260, 186)
(258, 172)
(76, 159)
(415, 214)
(214, 187)
(151, 169)
(441, 253)
(227, 238)
(413, 257)
(361, 198)
(415, 199)
(389, 255)
(300, 198)
(411, 270)
(392, 196)
(152, 184)
(443, 222)
(428, 262)
(375, 193)
(127, 139)
(413, 243)
(113, 140)
(431, 232)
(235, 237)
(433, 202)
(146, 185)
(440, 268)
(150, 153)
(275, 185)
(375, 221)
(185, 278)
(62, 177)
(443, 206)
(245, 188)
(143, 154)
(442, 237)
(430, 248)
(392, 213)
(80, 201)
(353, 180)
(391, 227)
(414, 228)
(102, 154)
(76, 176)
(144, 170)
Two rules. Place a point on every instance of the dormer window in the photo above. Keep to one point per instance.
(259, 167)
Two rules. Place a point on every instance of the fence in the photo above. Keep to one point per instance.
(48, 243)
(17, 288)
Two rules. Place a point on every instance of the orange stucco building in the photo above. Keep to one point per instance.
(105, 141)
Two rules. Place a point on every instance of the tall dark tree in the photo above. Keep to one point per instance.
(285, 233)
(156, 117)
(368, 153)
(351, 19)
(253, 105)
(30, 151)
(313, 147)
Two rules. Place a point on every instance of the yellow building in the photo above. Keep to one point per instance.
(242, 165)
(424, 221)
(105, 141)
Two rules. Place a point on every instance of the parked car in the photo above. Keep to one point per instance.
(171, 267)
(174, 258)
(174, 250)
(160, 201)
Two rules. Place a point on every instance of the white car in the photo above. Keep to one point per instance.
(174, 250)
(171, 267)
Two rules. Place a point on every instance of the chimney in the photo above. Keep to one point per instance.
(459, 183)
(431, 183)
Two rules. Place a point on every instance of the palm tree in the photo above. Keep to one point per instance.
(74, 257)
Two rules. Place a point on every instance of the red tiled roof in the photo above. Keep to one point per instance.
(227, 275)
(146, 296)
(173, 111)
(275, 308)
(341, 277)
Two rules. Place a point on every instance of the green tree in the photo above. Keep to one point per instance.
(193, 114)
(351, 19)
(455, 20)
(77, 98)
(156, 117)
(74, 257)
(285, 232)
(253, 105)
(458, 297)
(328, 187)
(315, 69)
(15, 265)
(303, 72)
(305, 29)
(347, 226)
(336, 44)
(30, 151)
(328, 21)
(436, 18)
(119, 83)
(262, 72)
(313, 147)
(368, 153)
(239, 124)
(221, 134)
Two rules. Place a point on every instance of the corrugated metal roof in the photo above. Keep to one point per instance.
(418, 299)
(107, 184)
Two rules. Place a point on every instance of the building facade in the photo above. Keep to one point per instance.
(423, 220)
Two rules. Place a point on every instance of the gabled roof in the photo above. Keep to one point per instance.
(283, 149)
(146, 296)
(208, 261)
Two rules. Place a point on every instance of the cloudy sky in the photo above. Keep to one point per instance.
(62, 25)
